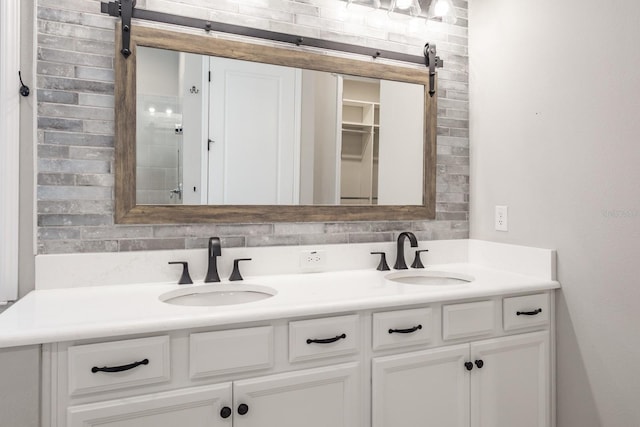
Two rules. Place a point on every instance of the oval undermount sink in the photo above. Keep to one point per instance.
(216, 295)
(430, 278)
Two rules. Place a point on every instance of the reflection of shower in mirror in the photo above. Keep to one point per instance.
(178, 190)
(159, 165)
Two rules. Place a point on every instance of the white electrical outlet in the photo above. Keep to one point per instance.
(502, 218)
(313, 260)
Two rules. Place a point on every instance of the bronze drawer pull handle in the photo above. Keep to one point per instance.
(120, 368)
(405, 331)
(327, 340)
(529, 313)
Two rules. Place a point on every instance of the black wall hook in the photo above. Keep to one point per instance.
(24, 89)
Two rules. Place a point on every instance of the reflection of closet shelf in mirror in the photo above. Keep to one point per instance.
(359, 112)
(356, 127)
(358, 131)
(351, 157)
(359, 102)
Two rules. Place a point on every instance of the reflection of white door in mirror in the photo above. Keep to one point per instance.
(254, 124)
(401, 132)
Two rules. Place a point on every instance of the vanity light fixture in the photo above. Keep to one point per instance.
(371, 3)
(152, 110)
(403, 4)
(412, 7)
(443, 11)
(438, 10)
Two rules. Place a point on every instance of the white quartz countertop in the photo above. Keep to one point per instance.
(57, 315)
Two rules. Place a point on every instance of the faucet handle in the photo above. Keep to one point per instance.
(417, 262)
(185, 279)
(235, 274)
(382, 266)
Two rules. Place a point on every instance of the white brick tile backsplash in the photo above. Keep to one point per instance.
(75, 94)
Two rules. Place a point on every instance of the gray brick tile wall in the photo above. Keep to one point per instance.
(57, 97)
(323, 239)
(75, 94)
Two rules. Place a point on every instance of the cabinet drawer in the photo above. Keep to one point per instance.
(525, 311)
(118, 364)
(468, 320)
(400, 328)
(318, 338)
(224, 352)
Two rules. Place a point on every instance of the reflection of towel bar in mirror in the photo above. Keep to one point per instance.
(129, 210)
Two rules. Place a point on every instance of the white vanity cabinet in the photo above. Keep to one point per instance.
(312, 398)
(470, 363)
(497, 382)
(239, 377)
(503, 382)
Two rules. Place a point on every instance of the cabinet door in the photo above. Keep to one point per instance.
(324, 397)
(512, 386)
(423, 388)
(193, 407)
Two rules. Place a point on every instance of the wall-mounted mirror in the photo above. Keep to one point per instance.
(212, 130)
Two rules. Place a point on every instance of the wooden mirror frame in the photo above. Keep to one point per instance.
(127, 211)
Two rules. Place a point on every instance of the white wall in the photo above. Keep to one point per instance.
(324, 183)
(307, 133)
(20, 387)
(194, 126)
(555, 104)
(28, 107)
(10, 148)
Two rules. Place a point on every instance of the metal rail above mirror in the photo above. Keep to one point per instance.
(180, 158)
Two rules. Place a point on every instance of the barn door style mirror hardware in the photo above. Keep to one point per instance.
(126, 10)
(123, 9)
(432, 62)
